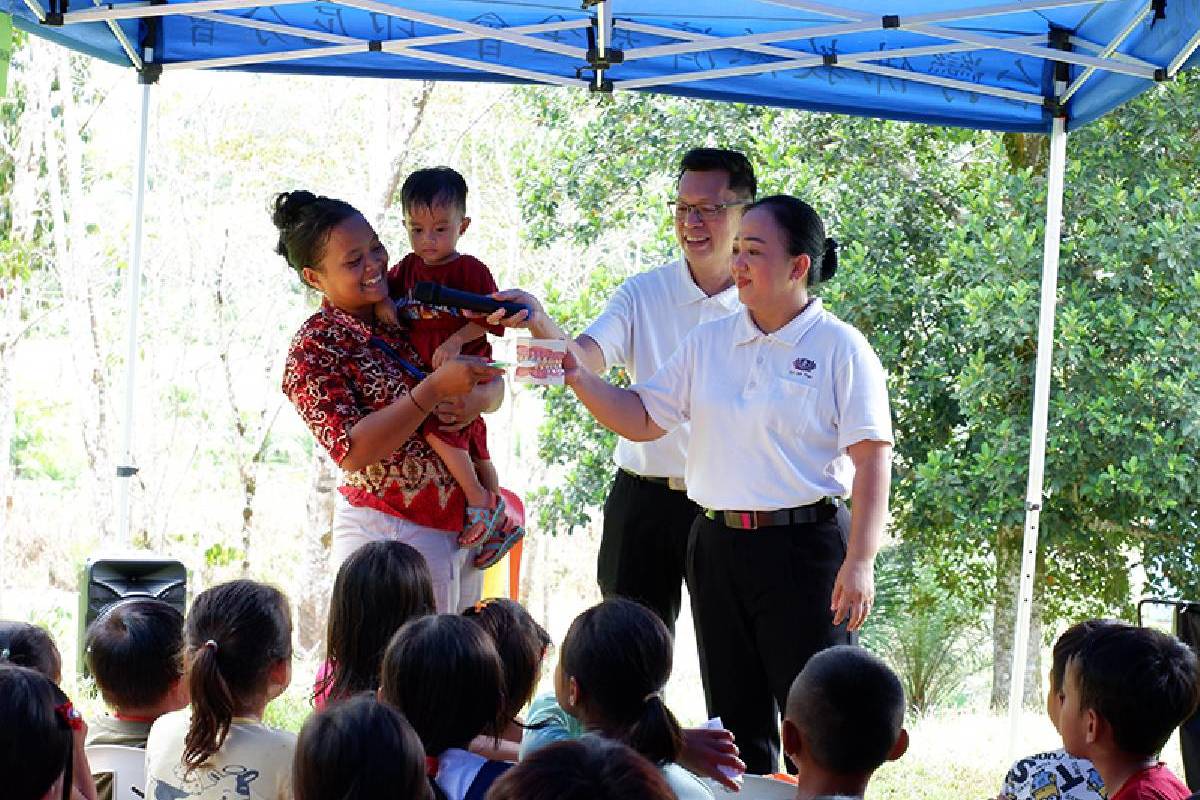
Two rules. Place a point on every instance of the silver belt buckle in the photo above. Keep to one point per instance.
(677, 484)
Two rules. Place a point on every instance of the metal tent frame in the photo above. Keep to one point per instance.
(916, 54)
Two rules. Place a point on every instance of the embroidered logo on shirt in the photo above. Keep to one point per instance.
(803, 367)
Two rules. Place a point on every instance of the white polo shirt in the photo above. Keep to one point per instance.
(771, 414)
(643, 324)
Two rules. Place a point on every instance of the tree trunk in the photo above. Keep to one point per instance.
(73, 267)
(312, 599)
(1004, 617)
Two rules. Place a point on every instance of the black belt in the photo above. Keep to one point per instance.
(675, 484)
(820, 511)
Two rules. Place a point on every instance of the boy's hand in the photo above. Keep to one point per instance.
(451, 348)
(385, 312)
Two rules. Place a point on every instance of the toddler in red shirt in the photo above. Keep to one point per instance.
(435, 215)
(1126, 689)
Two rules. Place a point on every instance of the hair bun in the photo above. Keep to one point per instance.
(288, 206)
(829, 261)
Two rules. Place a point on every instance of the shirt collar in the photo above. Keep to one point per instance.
(790, 334)
(349, 321)
(686, 292)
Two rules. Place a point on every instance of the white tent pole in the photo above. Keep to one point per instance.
(133, 276)
(1037, 433)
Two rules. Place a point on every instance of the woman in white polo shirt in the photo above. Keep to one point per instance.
(789, 411)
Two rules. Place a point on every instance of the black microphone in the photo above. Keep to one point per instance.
(434, 294)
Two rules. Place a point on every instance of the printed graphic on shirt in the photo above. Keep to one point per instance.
(802, 368)
(228, 783)
(1050, 776)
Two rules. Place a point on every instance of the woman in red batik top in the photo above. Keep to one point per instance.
(360, 387)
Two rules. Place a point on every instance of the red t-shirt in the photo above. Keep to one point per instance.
(1153, 783)
(429, 326)
(335, 376)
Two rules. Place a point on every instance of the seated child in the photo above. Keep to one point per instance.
(443, 673)
(134, 650)
(25, 645)
(238, 651)
(588, 768)
(521, 644)
(435, 207)
(616, 659)
(1057, 774)
(844, 719)
(37, 745)
(378, 588)
(1126, 689)
(359, 749)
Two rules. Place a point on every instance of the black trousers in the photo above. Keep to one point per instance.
(760, 601)
(643, 548)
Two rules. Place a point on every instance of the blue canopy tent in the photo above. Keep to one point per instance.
(1024, 65)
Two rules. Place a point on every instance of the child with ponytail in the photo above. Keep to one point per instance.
(238, 653)
(37, 737)
(615, 660)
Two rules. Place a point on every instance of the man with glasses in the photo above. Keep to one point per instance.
(647, 516)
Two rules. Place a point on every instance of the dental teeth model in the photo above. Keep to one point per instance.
(540, 361)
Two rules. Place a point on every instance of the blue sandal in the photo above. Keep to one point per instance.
(483, 521)
(498, 543)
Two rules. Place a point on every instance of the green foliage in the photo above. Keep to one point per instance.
(930, 635)
(570, 440)
(39, 451)
(941, 234)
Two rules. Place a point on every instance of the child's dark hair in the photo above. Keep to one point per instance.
(588, 768)
(235, 634)
(1142, 681)
(443, 673)
(359, 749)
(304, 221)
(434, 186)
(805, 233)
(1067, 645)
(135, 652)
(850, 706)
(734, 164)
(619, 653)
(25, 645)
(378, 588)
(521, 643)
(36, 740)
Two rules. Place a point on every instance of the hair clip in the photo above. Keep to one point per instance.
(5, 654)
(480, 605)
(68, 714)
(431, 766)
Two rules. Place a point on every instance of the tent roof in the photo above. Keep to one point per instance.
(972, 63)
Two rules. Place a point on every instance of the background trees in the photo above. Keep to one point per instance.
(940, 232)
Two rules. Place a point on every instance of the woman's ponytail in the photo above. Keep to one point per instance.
(656, 733)
(212, 707)
(829, 261)
(235, 634)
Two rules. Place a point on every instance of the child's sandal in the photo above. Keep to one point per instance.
(507, 533)
(481, 523)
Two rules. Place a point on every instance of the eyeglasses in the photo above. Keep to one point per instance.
(705, 211)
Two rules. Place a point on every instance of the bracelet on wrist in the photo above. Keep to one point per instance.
(413, 397)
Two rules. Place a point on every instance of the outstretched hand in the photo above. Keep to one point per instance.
(706, 750)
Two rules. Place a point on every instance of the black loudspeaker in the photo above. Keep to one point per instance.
(108, 581)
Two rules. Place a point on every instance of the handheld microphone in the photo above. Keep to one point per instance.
(434, 294)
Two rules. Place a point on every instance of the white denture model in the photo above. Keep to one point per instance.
(540, 362)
